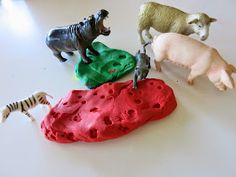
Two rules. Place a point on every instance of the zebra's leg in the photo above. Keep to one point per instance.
(93, 51)
(48, 104)
(70, 53)
(29, 115)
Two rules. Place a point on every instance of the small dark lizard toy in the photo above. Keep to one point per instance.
(78, 37)
(142, 66)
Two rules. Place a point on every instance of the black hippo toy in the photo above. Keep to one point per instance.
(78, 36)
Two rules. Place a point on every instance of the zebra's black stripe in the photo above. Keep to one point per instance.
(27, 103)
(31, 103)
(9, 108)
(17, 105)
(12, 108)
(22, 107)
(40, 99)
(34, 99)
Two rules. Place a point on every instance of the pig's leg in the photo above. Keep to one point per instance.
(159, 57)
(140, 31)
(193, 74)
(147, 33)
(198, 69)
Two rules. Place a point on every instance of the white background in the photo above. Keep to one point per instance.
(197, 140)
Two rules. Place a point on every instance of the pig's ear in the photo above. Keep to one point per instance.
(227, 79)
(194, 20)
(213, 20)
(232, 68)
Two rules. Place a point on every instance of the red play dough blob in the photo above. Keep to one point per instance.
(107, 112)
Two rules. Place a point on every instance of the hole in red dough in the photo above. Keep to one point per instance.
(122, 56)
(110, 83)
(107, 121)
(76, 119)
(124, 129)
(138, 101)
(79, 96)
(63, 135)
(95, 93)
(52, 113)
(102, 97)
(70, 136)
(159, 87)
(56, 115)
(83, 102)
(93, 133)
(94, 110)
(157, 105)
(109, 98)
(111, 91)
(151, 83)
(53, 136)
(65, 103)
(131, 112)
(140, 92)
(130, 93)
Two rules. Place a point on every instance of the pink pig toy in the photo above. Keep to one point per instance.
(195, 55)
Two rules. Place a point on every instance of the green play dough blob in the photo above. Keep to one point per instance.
(110, 65)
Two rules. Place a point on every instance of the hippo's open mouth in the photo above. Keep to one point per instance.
(102, 15)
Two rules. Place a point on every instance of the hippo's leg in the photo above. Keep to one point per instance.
(70, 53)
(93, 51)
(58, 55)
(140, 31)
(148, 34)
(86, 59)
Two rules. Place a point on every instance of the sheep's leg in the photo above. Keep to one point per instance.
(148, 34)
(141, 36)
(29, 115)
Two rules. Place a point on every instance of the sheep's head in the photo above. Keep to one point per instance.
(200, 24)
(4, 114)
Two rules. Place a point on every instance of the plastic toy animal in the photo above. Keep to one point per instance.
(78, 36)
(197, 56)
(25, 105)
(142, 66)
(169, 19)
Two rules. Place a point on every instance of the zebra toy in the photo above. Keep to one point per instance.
(25, 105)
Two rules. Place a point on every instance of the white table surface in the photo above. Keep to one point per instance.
(197, 140)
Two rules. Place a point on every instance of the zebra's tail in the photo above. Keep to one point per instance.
(49, 96)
